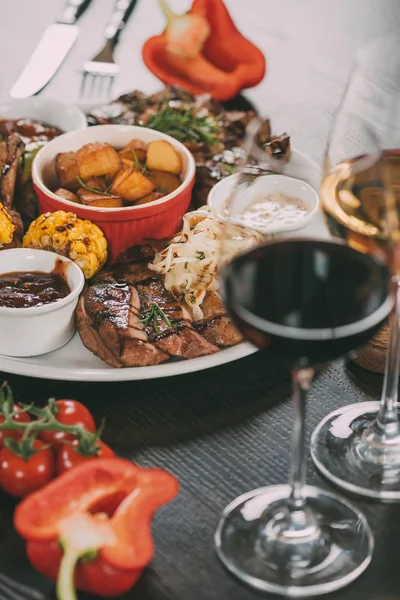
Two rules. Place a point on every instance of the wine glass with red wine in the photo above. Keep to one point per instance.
(358, 446)
(308, 302)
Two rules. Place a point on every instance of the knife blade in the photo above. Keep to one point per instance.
(51, 51)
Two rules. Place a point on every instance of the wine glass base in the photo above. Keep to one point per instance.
(345, 454)
(245, 547)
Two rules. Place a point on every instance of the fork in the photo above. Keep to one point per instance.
(100, 72)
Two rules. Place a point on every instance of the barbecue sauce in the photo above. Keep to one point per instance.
(24, 289)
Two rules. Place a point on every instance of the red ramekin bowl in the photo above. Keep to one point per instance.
(126, 226)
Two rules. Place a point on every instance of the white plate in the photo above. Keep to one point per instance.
(74, 362)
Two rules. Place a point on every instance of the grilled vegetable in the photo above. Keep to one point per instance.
(66, 234)
(7, 227)
(67, 170)
(131, 185)
(97, 159)
(163, 157)
(67, 195)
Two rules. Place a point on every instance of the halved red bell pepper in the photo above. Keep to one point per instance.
(214, 58)
(90, 528)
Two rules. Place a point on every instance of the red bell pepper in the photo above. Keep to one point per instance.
(90, 528)
(204, 52)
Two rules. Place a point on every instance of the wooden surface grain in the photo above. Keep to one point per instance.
(227, 430)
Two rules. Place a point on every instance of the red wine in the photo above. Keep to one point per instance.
(306, 299)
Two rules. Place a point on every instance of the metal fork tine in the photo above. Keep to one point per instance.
(92, 83)
(83, 83)
(110, 85)
(103, 78)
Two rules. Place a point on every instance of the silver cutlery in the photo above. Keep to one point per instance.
(100, 72)
(52, 49)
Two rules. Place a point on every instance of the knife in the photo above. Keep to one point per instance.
(54, 46)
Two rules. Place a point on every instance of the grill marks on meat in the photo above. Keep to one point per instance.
(114, 304)
(179, 340)
(10, 155)
(216, 327)
(112, 328)
(11, 151)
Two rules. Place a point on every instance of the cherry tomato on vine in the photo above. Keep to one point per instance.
(14, 433)
(69, 412)
(68, 457)
(20, 477)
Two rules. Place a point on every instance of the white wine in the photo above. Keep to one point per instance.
(361, 202)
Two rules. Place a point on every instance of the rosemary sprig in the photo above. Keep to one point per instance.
(151, 315)
(184, 125)
(90, 189)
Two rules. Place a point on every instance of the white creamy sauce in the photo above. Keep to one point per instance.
(272, 212)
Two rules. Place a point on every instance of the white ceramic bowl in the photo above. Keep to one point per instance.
(304, 188)
(38, 329)
(64, 116)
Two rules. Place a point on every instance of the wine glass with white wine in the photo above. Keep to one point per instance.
(358, 446)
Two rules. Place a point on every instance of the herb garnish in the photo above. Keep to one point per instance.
(138, 165)
(151, 315)
(184, 125)
(200, 255)
(94, 190)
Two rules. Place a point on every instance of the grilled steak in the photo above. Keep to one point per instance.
(216, 327)
(128, 319)
(170, 327)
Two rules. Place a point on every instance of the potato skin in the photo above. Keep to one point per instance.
(67, 170)
(97, 159)
(67, 195)
(92, 199)
(136, 148)
(149, 198)
(161, 156)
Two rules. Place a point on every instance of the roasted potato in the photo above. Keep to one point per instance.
(67, 170)
(136, 148)
(128, 164)
(164, 182)
(149, 198)
(67, 195)
(131, 185)
(93, 199)
(97, 159)
(163, 157)
(97, 183)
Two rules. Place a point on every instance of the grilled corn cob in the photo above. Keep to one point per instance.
(66, 234)
(7, 227)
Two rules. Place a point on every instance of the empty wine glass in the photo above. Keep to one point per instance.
(358, 446)
(309, 302)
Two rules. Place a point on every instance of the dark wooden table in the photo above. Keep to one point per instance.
(227, 430)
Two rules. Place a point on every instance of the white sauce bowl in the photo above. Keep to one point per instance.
(38, 329)
(57, 114)
(266, 185)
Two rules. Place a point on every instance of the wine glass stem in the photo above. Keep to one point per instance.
(387, 419)
(302, 379)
